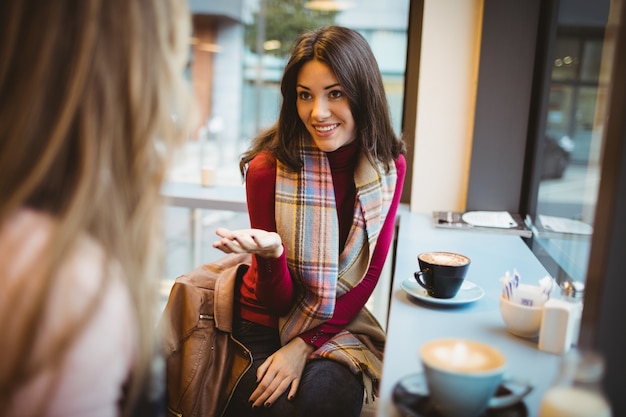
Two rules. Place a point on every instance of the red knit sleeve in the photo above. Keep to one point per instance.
(349, 305)
(273, 286)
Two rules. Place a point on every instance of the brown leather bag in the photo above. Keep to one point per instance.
(204, 362)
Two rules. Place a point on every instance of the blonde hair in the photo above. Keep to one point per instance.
(92, 104)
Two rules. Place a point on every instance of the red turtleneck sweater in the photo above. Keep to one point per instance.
(267, 288)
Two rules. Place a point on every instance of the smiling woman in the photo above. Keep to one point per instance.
(323, 107)
(331, 158)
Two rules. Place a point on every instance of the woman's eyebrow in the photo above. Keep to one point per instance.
(325, 88)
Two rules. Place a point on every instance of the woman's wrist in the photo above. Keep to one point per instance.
(306, 347)
(278, 252)
(271, 254)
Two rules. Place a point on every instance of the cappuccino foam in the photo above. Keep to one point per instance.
(461, 356)
(444, 258)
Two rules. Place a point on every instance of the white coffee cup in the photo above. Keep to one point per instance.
(463, 377)
(208, 176)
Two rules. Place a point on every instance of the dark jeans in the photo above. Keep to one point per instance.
(327, 388)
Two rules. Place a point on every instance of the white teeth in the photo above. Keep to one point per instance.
(325, 128)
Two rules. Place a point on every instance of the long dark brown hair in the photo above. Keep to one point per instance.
(350, 57)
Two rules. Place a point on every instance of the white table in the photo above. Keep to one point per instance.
(413, 322)
(195, 196)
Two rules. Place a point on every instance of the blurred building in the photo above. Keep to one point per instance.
(237, 86)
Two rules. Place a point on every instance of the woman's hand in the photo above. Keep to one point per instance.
(257, 241)
(280, 372)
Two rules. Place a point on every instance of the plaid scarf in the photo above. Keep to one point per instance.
(306, 219)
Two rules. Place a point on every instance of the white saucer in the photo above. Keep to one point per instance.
(468, 293)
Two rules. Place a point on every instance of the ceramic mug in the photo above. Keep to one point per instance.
(464, 375)
(441, 273)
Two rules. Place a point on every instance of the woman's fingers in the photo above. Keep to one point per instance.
(222, 232)
(262, 369)
(269, 389)
(228, 246)
(264, 379)
(260, 242)
(280, 371)
(278, 391)
(294, 389)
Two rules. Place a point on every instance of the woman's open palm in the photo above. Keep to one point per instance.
(256, 241)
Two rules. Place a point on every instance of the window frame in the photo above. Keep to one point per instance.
(515, 186)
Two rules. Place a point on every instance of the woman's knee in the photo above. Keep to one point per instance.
(330, 389)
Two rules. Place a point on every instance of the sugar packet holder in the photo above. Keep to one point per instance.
(525, 294)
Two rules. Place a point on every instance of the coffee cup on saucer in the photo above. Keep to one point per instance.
(441, 273)
(463, 377)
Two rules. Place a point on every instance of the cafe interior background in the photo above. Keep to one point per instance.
(504, 105)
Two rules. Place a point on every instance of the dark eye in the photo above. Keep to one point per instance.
(335, 94)
(304, 95)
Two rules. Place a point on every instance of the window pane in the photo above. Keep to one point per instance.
(591, 60)
(559, 112)
(238, 51)
(566, 59)
(567, 193)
